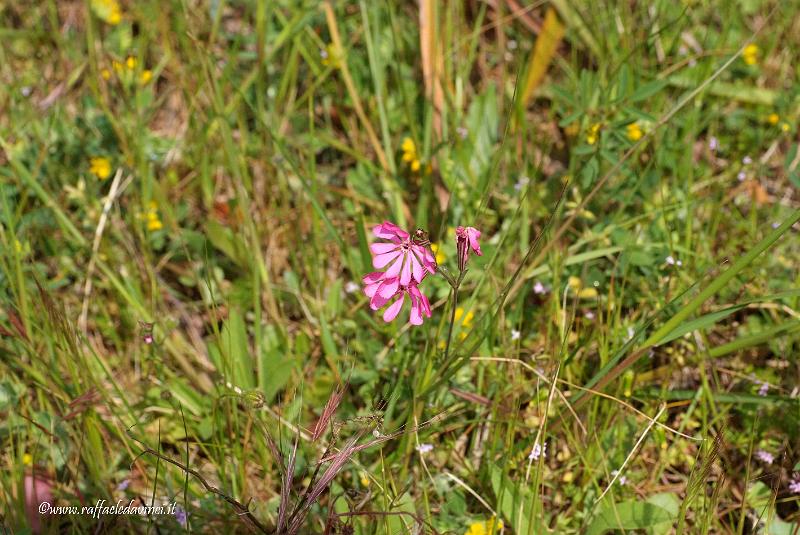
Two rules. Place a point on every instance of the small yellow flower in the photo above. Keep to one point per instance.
(410, 154)
(750, 54)
(145, 76)
(487, 527)
(773, 118)
(364, 479)
(100, 167)
(108, 11)
(130, 63)
(576, 285)
(27, 459)
(467, 321)
(105, 74)
(593, 134)
(409, 150)
(438, 252)
(153, 221)
(117, 66)
(634, 132)
(785, 127)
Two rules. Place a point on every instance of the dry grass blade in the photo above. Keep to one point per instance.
(327, 413)
(543, 52)
(337, 463)
(286, 488)
(432, 62)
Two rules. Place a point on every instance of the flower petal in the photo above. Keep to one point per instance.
(378, 301)
(421, 300)
(415, 318)
(394, 269)
(389, 287)
(405, 274)
(428, 260)
(393, 310)
(416, 266)
(372, 278)
(383, 247)
(473, 234)
(380, 260)
(370, 289)
(388, 230)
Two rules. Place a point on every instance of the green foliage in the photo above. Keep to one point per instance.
(187, 192)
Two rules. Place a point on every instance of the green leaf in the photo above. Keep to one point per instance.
(700, 323)
(236, 356)
(514, 502)
(634, 514)
(224, 240)
(647, 90)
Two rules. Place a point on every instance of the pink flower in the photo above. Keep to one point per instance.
(382, 289)
(794, 485)
(466, 239)
(408, 259)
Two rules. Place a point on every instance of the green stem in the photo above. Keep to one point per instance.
(452, 322)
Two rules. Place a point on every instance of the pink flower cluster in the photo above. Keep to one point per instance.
(409, 263)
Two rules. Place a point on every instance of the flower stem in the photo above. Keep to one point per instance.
(452, 322)
(455, 284)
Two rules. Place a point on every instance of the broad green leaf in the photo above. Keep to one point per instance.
(632, 514)
(514, 502)
(236, 355)
(224, 240)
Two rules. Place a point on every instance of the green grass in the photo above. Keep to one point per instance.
(636, 290)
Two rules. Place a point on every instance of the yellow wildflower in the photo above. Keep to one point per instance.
(773, 118)
(410, 154)
(576, 285)
(117, 66)
(105, 74)
(487, 527)
(100, 167)
(634, 132)
(145, 76)
(750, 54)
(130, 63)
(467, 321)
(438, 252)
(108, 11)
(593, 134)
(409, 149)
(27, 459)
(153, 221)
(785, 127)
(364, 479)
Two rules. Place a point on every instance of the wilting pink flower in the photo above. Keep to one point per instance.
(405, 258)
(382, 289)
(466, 239)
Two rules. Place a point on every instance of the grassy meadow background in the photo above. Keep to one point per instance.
(187, 192)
